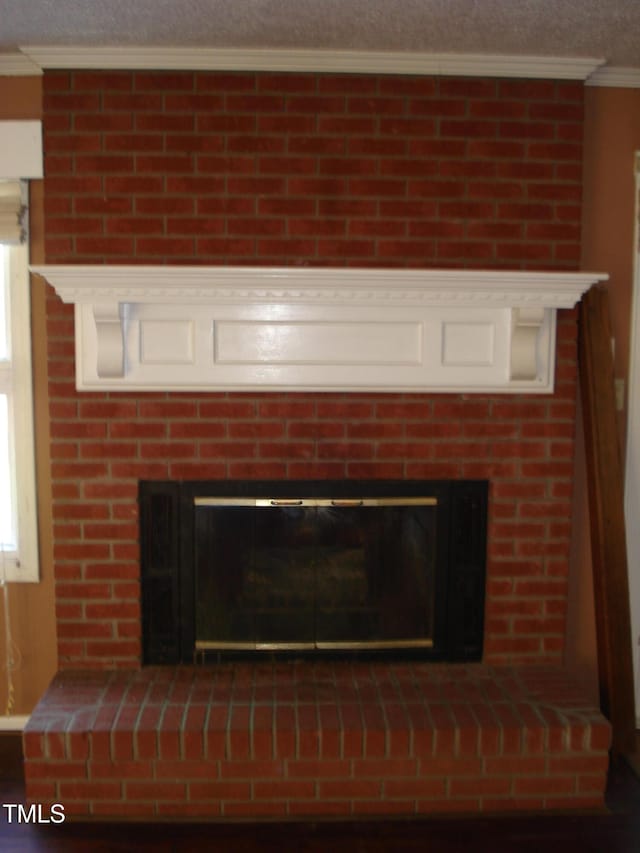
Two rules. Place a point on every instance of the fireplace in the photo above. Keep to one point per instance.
(175, 330)
(423, 178)
(322, 568)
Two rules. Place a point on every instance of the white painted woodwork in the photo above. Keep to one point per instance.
(299, 328)
(21, 149)
(526, 326)
(23, 564)
(110, 324)
(615, 77)
(16, 64)
(308, 60)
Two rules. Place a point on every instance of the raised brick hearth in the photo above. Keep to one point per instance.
(302, 739)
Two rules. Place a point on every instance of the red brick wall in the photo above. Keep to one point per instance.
(309, 169)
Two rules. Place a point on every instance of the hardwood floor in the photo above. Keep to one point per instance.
(617, 831)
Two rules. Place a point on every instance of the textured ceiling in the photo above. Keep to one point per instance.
(607, 29)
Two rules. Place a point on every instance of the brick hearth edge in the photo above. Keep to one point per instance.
(294, 740)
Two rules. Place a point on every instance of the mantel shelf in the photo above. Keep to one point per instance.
(313, 328)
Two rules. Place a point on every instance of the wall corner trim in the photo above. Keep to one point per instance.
(615, 77)
(18, 65)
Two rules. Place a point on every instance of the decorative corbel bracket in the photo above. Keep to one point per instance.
(525, 329)
(110, 319)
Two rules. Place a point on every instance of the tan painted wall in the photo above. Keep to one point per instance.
(612, 136)
(31, 606)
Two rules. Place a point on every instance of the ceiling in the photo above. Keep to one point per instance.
(599, 29)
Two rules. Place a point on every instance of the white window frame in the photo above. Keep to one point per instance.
(21, 159)
(16, 380)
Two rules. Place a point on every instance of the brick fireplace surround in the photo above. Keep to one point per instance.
(310, 169)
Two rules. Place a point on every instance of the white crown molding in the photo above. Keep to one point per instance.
(615, 77)
(18, 65)
(340, 61)
(317, 285)
(314, 329)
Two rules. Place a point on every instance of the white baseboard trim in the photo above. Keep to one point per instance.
(13, 723)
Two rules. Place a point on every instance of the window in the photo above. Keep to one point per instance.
(18, 523)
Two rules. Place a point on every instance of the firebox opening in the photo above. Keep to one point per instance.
(377, 567)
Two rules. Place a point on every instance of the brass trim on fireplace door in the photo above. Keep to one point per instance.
(374, 645)
(336, 503)
(213, 646)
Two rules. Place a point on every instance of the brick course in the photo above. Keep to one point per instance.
(292, 169)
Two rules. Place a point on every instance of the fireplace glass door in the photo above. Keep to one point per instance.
(309, 573)
(392, 568)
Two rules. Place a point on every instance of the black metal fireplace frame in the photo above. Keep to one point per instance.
(167, 523)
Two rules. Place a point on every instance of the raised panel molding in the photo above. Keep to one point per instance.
(166, 342)
(260, 328)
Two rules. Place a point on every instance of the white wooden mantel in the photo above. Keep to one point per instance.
(175, 328)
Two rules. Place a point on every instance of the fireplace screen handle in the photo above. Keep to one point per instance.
(336, 503)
